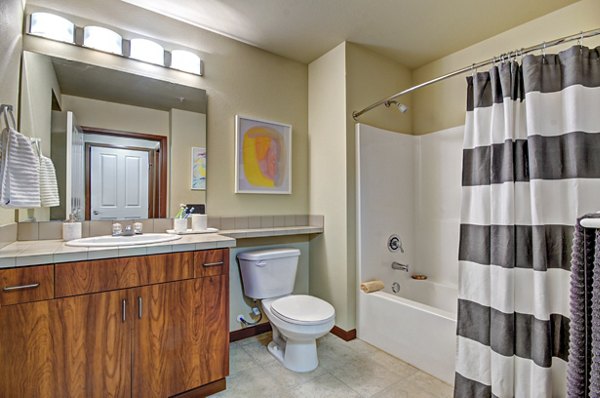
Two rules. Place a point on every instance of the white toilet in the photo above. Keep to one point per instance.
(297, 320)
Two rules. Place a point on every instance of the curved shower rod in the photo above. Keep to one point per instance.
(578, 36)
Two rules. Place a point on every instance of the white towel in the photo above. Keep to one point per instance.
(48, 184)
(19, 171)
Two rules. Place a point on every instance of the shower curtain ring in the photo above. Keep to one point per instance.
(580, 42)
(544, 51)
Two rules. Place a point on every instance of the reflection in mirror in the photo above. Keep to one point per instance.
(121, 143)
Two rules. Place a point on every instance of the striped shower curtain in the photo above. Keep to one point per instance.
(531, 166)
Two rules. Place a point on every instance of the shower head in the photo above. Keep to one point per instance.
(401, 107)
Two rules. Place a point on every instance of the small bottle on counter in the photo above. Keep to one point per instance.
(71, 229)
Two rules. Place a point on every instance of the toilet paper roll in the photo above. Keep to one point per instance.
(199, 222)
(371, 286)
(71, 231)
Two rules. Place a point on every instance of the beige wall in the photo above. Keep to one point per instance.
(38, 88)
(327, 133)
(443, 104)
(239, 79)
(109, 115)
(345, 79)
(188, 129)
(11, 15)
(371, 77)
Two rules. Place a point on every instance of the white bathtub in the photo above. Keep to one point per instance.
(417, 325)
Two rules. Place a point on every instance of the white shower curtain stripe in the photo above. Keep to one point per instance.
(530, 168)
(580, 114)
(544, 212)
(522, 298)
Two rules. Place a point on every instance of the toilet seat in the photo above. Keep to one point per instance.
(302, 310)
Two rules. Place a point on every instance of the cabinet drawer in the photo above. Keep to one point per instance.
(211, 263)
(21, 285)
(121, 273)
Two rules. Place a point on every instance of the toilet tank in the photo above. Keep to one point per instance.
(268, 273)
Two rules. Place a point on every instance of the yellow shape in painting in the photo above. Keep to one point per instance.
(261, 151)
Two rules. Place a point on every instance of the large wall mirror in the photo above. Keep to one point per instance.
(121, 143)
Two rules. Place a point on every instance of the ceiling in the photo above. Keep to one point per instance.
(412, 32)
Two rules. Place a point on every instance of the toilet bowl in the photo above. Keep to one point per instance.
(297, 320)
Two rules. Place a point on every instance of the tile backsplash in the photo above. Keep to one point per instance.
(53, 229)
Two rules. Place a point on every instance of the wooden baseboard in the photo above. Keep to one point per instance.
(343, 334)
(205, 390)
(249, 331)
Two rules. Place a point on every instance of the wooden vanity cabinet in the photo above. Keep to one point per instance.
(154, 340)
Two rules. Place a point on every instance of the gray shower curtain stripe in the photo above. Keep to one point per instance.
(539, 247)
(532, 138)
(568, 71)
(479, 319)
(486, 165)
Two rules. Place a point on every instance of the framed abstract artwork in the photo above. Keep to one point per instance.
(263, 156)
(198, 174)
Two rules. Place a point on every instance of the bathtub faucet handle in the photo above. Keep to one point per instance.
(401, 267)
(395, 244)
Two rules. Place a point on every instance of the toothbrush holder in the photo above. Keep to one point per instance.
(180, 225)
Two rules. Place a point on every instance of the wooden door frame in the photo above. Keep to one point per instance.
(160, 194)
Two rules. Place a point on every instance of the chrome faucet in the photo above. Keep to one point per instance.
(401, 267)
(127, 231)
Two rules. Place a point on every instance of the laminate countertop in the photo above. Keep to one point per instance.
(36, 252)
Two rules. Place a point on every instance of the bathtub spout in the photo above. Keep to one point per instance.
(401, 267)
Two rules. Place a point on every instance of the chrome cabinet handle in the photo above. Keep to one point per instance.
(124, 310)
(21, 287)
(213, 264)
(140, 303)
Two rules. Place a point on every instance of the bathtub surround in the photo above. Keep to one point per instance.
(410, 187)
(529, 169)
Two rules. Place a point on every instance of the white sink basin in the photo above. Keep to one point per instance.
(107, 240)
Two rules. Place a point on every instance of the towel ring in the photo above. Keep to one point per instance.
(8, 109)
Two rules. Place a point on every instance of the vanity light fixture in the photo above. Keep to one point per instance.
(186, 61)
(147, 51)
(102, 39)
(52, 27)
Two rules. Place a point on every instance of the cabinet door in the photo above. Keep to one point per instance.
(73, 347)
(166, 352)
(215, 328)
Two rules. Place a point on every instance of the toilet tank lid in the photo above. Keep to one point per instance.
(268, 254)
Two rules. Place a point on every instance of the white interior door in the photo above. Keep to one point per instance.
(119, 183)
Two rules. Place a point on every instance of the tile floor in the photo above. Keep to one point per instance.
(346, 370)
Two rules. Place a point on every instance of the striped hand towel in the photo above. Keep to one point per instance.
(19, 171)
(48, 183)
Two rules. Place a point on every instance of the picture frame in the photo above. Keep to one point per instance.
(198, 169)
(263, 156)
